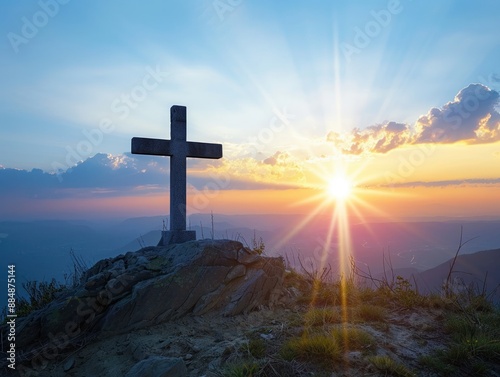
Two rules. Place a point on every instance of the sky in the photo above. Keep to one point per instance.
(398, 98)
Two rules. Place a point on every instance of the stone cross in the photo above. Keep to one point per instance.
(178, 149)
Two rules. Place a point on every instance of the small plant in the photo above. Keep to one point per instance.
(258, 245)
(78, 269)
(404, 293)
(390, 367)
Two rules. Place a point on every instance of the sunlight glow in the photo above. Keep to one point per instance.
(340, 188)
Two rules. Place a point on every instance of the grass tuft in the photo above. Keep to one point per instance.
(370, 313)
(390, 367)
(321, 349)
(321, 317)
(257, 348)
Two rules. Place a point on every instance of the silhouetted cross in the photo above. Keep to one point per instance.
(178, 149)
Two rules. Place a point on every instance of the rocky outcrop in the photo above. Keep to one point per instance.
(153, 285)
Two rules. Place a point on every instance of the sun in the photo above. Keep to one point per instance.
(339, 188)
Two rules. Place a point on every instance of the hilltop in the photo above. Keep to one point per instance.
(309, 323)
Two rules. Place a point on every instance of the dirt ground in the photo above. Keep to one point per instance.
(208, 343)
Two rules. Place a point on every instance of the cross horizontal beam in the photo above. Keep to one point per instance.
(160, 147)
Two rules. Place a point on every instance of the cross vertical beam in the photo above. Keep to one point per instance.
(178, 168)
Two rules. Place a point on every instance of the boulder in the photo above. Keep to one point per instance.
(153, 285)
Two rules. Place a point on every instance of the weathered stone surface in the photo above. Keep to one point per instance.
(158, 366)
(153, 285)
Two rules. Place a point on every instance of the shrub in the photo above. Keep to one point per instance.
(39, 295)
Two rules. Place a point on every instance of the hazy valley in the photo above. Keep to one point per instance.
(41, 249)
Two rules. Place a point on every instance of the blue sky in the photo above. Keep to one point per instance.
(231, 70)
(238, 65)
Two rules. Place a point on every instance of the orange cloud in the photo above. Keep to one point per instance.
(278, 170)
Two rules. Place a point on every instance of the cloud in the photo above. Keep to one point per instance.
(447, 183)
(471, 117)
(378, 139)
(114, 176)
(100, 175)
(279, 170)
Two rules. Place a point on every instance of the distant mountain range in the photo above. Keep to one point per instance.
(481, 269)
(41, 249)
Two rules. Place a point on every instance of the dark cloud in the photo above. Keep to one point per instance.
(106, 175)
(99, 175)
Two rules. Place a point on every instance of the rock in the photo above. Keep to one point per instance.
(158, 366)
(154, 285)
(69, 364)
(137, 350)
(355, 356)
